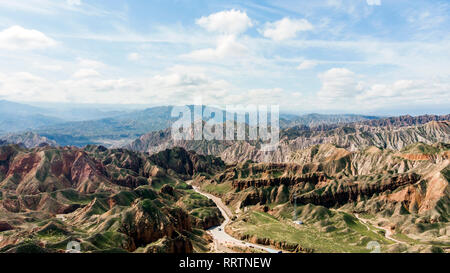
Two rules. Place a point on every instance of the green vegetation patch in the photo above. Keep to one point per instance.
(323, 230)
(75, 197)
(196, 200)
(446, 173)
(218, 189)
(422, 148)
(108, 240)
(204, 212)
(149, 207)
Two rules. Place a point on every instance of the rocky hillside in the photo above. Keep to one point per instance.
(391, 133)
(406, 120)
(28, 139)
(313, 120)
(108, 200)
(405, 192)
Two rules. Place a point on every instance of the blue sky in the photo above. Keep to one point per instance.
(331, 56)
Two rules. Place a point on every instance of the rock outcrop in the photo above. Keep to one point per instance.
(413, 180)
(28, 140)
(4, 226)
(145, 223)
(110, 200)
(391, 133)
(347, 192)
(295, 248)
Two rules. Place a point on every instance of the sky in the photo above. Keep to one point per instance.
(331, 56)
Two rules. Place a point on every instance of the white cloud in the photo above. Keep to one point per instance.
(85, 73)
(19, 38)
(24, 85)
(408, 90)
(227, 46)
(74, 2)
(339, 83)
(51, 67)
(183, 85)
(307, 64)
(177, 85)
(285, 28)
(56, 8)
(133, 56)
(342, 90)
(88, 63)
(226, 22)
(179, 79)
(26, 77)
(265, 92)
(250, 62)
(426, 19)
(265, 96)
(229, 24)
(374, 2)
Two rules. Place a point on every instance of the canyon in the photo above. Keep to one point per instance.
(327, 188)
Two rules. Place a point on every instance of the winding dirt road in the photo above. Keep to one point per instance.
(388, 233)
(220, 237)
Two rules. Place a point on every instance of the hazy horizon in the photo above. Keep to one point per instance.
(66, 106)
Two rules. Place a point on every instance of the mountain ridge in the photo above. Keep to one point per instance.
(394, 133)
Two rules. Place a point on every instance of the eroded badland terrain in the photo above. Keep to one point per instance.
(327, 188)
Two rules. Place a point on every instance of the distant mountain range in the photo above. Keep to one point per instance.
(19, 117)
(16, 117)
(148, 130)
(83, 126)
(112, 131)
(390, 133)
(289, 120)
(343, 180)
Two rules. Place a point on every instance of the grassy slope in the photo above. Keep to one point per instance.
(348, 235)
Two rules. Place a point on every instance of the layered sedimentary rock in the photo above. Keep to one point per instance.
(28, 140)
(145, 223)
(114, 200)
(371, 179)
(391, 133)
(347, 192)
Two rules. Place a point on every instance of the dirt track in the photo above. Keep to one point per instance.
(220, 237)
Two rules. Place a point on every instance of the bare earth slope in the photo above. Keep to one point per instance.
(405, 192)
(391, 133)
(108, 200)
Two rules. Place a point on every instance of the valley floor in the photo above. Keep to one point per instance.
(223, 242)
(341, 232)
